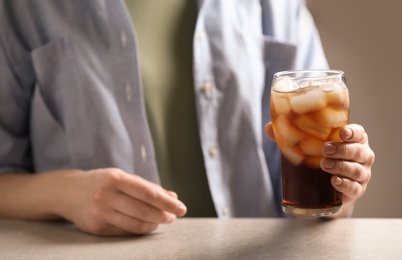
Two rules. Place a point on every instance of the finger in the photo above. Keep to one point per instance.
(138, 209)
(151, 194)
(269, 131)
(102, 226)
(349, 151)
(172, 193)
(129, 224)
(351, 170)
(350, 189)
(353, 133)
(109, 231)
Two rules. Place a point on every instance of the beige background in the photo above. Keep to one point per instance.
(364, 39)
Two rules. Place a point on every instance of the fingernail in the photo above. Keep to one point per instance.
(329, 164)
(348, 133)
(329, 148)
(338, 181)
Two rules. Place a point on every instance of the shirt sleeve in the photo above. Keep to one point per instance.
(15, 153)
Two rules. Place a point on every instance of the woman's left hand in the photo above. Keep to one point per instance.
(349, 162)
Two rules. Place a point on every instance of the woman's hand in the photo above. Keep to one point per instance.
(106, 202)
(112, 202)
(349, 161)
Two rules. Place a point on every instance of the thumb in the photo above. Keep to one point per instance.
(269, 131)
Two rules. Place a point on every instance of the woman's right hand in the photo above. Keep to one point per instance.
(111, 202)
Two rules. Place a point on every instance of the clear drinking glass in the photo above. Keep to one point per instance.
(308, 108)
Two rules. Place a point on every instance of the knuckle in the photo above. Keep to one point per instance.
(352, 189)
(360, 151)
(358, 172)
(341, 149)
(346, 186)
(361, 134)
(145, 212)
(111, 177)
(341, 166)
(365, 137)
(368, 176)
(356, 190)
(149, 194)
(99, 196)
(371, 158)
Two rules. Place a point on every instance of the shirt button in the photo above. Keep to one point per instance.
(123, 38)
(225, 211)
(213, 151)
(201, 35)
(206, 88)
(128, 92)
(143, 153)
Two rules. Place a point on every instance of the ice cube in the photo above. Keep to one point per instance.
(280, 141)
(332, 117)
(291, 134)
(313, 83)
(305, 84)
(294, 155)
(339, 95)
(309, 126)
(328, 87)
(285, 85)
(308, 101)
(311, 146)
(334, 136)
(313, 162)
(280, 104)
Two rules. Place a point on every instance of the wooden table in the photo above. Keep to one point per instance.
(197, 238)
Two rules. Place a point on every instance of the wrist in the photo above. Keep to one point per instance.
(61, 194)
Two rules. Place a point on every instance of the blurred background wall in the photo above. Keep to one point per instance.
(364, 39)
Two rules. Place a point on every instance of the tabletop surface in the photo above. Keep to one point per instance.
(199, 238)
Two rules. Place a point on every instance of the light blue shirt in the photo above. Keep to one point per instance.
(71, 95)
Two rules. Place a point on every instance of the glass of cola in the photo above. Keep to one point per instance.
(308, 108)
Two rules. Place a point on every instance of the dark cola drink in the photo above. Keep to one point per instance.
(308, 191)
(306, 112)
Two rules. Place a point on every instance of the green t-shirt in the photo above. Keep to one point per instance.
(164, 31)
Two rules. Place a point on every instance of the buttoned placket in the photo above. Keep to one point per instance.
(207, 89)
(129, 92)
(123, 38)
